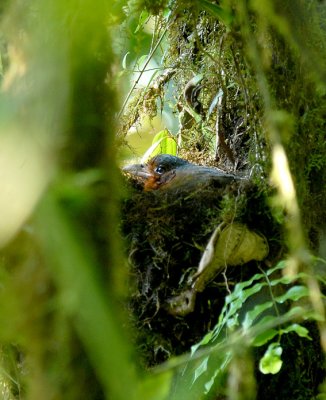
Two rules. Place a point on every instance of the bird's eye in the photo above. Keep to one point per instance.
(160, 170)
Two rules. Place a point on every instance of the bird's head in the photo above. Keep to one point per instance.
(158, 171)
(166, 171)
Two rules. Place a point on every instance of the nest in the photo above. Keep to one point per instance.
(166, 233)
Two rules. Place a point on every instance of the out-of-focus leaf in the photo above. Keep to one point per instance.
(219, 371)
(84, 299)
(25, 172)
(287, 279)
(301, 312)
(202, 368)
(155, 387)
(205, 340)
(265, 337)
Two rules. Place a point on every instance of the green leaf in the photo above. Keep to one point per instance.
(208, 385)
(155, 387)
(201, 369)
(286, 280)
(270, 333)
(239, 296)
(265, 337)
(304, 313)
(232, 323)
(219, 371)
(163, 143)
(254, 313)
(234, 302)
(271, 362)
(205, 340)
(253, 290)
(235, 306)
(279, 265)
(295, 293)
(298, 329)
(240, 286)
(142, 19)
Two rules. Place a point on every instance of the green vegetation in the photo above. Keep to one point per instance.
(88, 259)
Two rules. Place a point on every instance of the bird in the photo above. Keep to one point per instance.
(165, 171)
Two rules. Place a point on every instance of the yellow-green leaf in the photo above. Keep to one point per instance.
(271, 363)
(163, 143)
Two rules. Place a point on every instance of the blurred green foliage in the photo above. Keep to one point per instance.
(64, 334)
(55, 273)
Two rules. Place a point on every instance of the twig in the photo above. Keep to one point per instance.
(142, 70)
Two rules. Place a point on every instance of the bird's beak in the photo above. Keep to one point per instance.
(140, 170)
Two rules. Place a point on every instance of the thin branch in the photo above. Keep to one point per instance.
(143, 70)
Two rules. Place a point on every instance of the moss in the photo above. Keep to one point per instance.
(268, 61)
(166, 233)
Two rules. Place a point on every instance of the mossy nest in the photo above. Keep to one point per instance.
(166, 233)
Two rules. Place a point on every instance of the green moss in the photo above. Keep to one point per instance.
(266, 70)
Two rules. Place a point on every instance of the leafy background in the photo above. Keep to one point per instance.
(68, 69)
